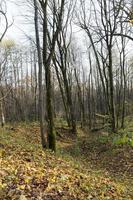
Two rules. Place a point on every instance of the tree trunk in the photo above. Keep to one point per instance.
(41, 108)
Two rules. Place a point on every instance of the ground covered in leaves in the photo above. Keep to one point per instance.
(81, 169)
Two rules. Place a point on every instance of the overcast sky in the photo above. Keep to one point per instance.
(19, 28)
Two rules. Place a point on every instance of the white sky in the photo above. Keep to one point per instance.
(19, 28)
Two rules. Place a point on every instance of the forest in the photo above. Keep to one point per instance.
(66, 100)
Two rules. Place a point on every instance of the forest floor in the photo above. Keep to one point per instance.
(91, 166)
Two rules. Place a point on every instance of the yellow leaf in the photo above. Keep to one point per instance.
(22, 197)
(21, 187)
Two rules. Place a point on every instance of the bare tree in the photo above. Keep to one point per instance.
(49, 42)
(40, 64)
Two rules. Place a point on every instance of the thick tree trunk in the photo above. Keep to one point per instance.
(41, 108)
(47, 66)
(49, 106)
(111, 88)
